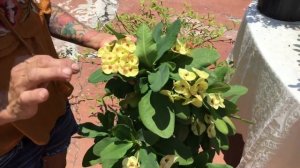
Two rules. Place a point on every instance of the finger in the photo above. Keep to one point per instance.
(45, 61)
(33, 97)
(37, 76)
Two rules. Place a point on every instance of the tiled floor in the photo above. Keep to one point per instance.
(83, 98)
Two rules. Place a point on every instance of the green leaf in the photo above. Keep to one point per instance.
(99, 76)
(168, 41)
(90, 159)
(156, 114)
(115, 150)
(231, 125)
(91, 130)
(173, 146)
(158, 79)
(201, 159)
(172, 65)
(148, 159)
(221, 72)
(214, 165)
(221, 126)
(110, 163)
(218, 87)
(147, 136)
(107, 120)
(223, 140)
(235, 92)
(170, 56)
(143, 85)
(230, 107)
(101, 145)
(117, 34)
(215, 143)
(157, 32)
(123, 119)
(146, 48)
(123, 132)
(181, 131)
(175, 76)
(118, 87)
(181, 111)
(203, 57)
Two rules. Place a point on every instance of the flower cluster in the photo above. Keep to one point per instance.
(198, 127)
(119, 57)
(130, 162)
(192, 88)
(181, 48)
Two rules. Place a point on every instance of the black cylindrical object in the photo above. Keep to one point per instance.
(287, 10)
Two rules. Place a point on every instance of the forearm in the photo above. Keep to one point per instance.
(64, 26)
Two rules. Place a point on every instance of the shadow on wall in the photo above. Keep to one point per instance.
(234, 154)
(255, 16)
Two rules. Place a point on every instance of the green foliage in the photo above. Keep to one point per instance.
(211, 165)
(148, 159)
(99, 76)
(158, 79)
(203, 57)
(179, 102)
(145, 49)
(167, 42)
(157, 115)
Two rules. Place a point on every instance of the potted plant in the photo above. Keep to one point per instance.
(175, 104)
(286, 10)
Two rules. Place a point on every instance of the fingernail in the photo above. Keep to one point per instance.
(67, 71)
(75, 67)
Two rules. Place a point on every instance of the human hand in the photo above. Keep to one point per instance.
(27, 84)
(100, 39)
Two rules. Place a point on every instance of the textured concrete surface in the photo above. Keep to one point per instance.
(84, 105)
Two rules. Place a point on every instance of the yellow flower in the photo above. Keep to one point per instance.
(182, 87)
(167, 161)
(109, 58)
(177, 97)
(215, 100)
(181, 48)
(186, 75)
(133, 71)
(109, 68)
(128, 44)
(167, 93)
(211, 131)
(130, 59)
(104, 50)
(198, 127)
(120, 51)
(196, 101)
(201, 74)
(128, 70)
(130, 162)
(199, 87)
(172, 97)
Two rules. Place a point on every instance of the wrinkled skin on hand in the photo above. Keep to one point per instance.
(28, 82)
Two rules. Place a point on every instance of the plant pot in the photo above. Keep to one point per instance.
(286, 10)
